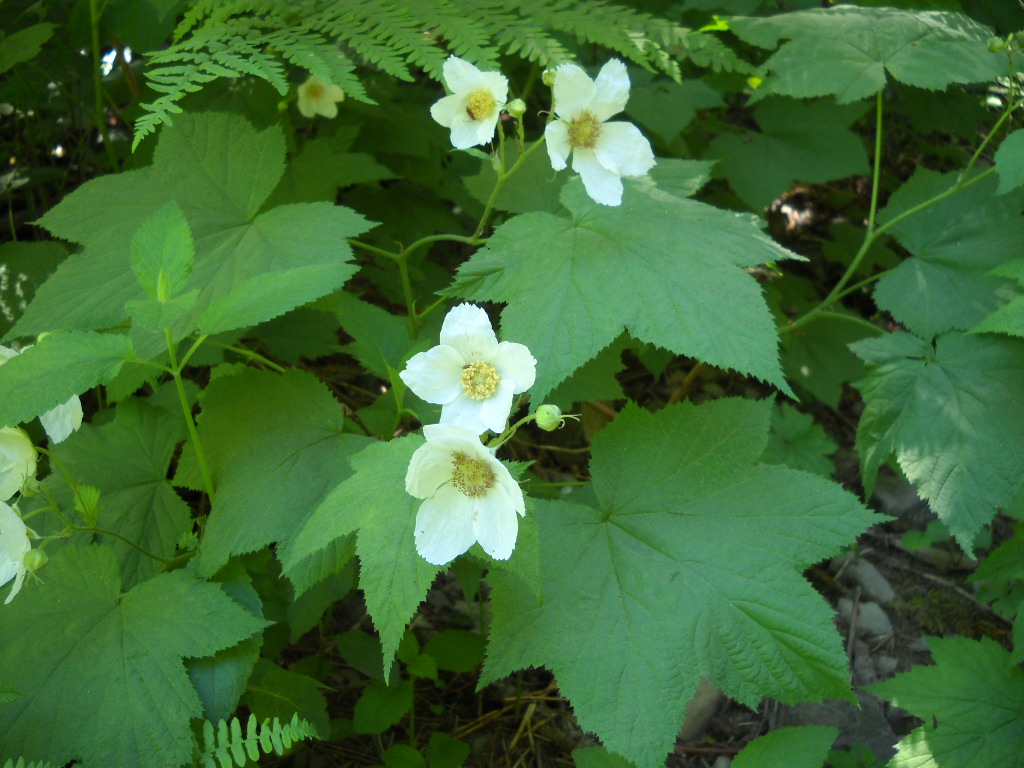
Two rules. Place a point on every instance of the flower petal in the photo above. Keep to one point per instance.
(444, 526)
(327, 108)
(464, 412)
(448, 110)
(429, 468)
(477, 131)
(556, 137)
(493, 412)
(573, 90)
(497, 84)
(460, 75)
(603, 186)
(622, 149)
(467, 328)
(435, 375)
(496, 526)
(455, 438)
(61, 421)
(611, 90)
(18, 581)
(514, 361)
(511, 488)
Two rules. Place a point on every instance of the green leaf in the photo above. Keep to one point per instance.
(665, 106)
(58, 366)
(281, 693)
(637, 608)
(970, 701)
(24, 266)
(950, 413)
(1009, 318)
(805, 746)
(127, 460)
(163, 253)
(89, 656)
(560, 276)
(381, 705)
(797, 142)
(274, 447)
(1010, 161)
(532, 187)
(393, 577)
(219, 169)
(797, 442)
(24, 44)
(955, 243)
(598, 757)
(456, 650)
(846, 52)
(595, 380)
(445, 752)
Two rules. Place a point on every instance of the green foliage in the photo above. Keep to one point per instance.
(23, 45)
(798, 747)
(970, 702)
(116, 659)
(225, 745)
(273, 691)
(1009, 318)
(739, 613)
(22, 764)
(798, 442)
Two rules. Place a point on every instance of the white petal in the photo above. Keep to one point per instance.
(18, 581)
(454, 438)
(497, 84)
(464, 412)
(334, 93)
(611, 90)
(17, 461)
(474, 132)
(602, 185)
(556, 136)
(511, 488)
(622, 149)
(573, 90)
(467, 328)
(444, 526)
(429, 468)
(14, 543)
(61, 421)
(6, 353)
(327, 108)
(450, 110)
(435, 375)
(496, 525)
(513, 361)
(460, 75)
(493, 412)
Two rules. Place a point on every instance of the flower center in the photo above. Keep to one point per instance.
(584, 130)
(479, 380)
(315, 92)
(471, 476)
(481, 104)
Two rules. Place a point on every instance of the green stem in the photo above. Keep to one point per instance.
(503, 176)
(505, 436)
(193, 433)
(256, 356)
(99, 114)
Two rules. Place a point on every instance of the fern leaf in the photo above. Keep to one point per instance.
(225, 745)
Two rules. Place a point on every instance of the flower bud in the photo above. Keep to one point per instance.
(548, 78)
(516, 108)
(17, 461)
(34, 560)
(996, 44)
(549, 417)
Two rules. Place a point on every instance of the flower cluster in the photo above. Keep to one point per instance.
(468, 495)
(602, 151)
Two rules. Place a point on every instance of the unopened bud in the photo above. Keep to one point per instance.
(34, 560)
(516, 108)
(549, 417)
(996, 44)
(548, 78)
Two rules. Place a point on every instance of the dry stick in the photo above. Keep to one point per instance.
(852, 634)
(682, 389)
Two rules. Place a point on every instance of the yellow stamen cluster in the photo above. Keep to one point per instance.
(481, 104)
(583, 131)
(479, 380)
(471, 476)
(315, 91)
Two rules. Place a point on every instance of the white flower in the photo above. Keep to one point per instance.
(470, 374)
(472, 109)
(61, 421)
(602, 152)
(468, 495)
(17, 461)
(318, 98)
(14, 545)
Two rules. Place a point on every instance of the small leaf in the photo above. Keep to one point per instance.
(380, 706)
(279, 693)
(24, 44)
(1010, 161)
(804, 746)
(456, 650)
(163, 253)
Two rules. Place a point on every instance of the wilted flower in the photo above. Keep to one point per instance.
(14, 545)
(59, 422)
(602, 152)
(319, 98)
(470, 374)
(472, 109)
(17, 461)
(468, 496)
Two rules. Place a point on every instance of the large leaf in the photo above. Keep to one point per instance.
(685, 563)
(970, 701)
(955, 243)
(667, 270)
(24, 266)
(847, 51)
(393, 577)
(88, 656)
(950, 413)
(219, 169)
(127, 461)
(1009, 318)
(58, 366)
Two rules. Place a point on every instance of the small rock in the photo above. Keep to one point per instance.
(886, 665)
(871, 619)
(702, 707)
(863, 667)
(866, 723)
(871, 581)
(918, 646)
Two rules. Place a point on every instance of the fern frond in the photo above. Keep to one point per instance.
(225, 745)
(22, 764)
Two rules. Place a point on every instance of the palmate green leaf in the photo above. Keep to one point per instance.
(971, 702)
(665, 269)
(24, 44)
(950, 412)
(955, 243)
(373, 501)
(23, 267)
(1010, 161)
(279, 693)
(103, 670)
(163, 253)
(846, 51)
(127, 460)
(250, 266)
(274, 446)
(797, 442)
(797, 142)
(686, 564)
(55, 368)
(1009, 318)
